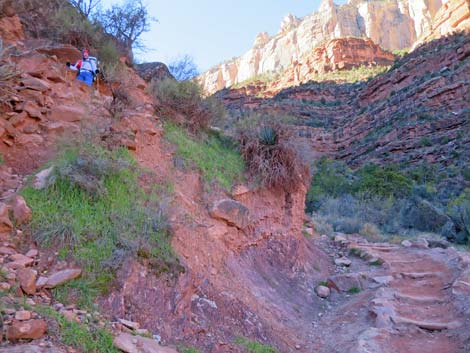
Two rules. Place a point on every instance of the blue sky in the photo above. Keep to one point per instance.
(213, 31)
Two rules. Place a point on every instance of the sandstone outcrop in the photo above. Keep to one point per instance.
(453, 16)
(391, 25)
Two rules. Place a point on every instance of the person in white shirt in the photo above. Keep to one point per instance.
(86, 68)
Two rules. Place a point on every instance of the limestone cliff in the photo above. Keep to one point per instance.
(392, 24)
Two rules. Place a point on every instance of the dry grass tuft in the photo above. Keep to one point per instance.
(270, 158)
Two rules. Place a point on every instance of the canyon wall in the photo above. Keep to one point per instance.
(390, 24)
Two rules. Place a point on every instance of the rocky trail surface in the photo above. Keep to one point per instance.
(414, 301)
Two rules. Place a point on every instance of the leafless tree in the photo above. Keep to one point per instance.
(183, 68)
(127, 22)
(86, 7)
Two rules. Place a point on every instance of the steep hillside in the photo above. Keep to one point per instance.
(386, 118)
(391, 25)
(233, 248)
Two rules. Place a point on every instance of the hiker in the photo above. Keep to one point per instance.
(86, 67)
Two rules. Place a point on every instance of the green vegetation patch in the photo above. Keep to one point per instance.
(354, 290)
(379, 200)
(95, 212)
(217, 159)
(254, 347)
(80, 336)
(360, 73)
(183, 349)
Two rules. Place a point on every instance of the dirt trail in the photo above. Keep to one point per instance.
(416, 309)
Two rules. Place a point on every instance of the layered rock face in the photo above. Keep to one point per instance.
(452, 16)
(336, 54)
(417, 112)
(392, 25)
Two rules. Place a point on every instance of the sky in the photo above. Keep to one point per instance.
(212, 31)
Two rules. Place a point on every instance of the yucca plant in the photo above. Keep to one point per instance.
(267, 136)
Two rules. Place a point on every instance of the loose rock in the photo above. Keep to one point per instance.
(323, 291)
(62, 277)
(27, 279)
(32, 329)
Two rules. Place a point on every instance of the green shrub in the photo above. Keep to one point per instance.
(183, 103)
(466, 173)
(459, 211)
(321, 225)
(425, 142)
(400, 52)
(218, 160)
(254, 347)
(369, 230)
(70, 26)
(95, 211)
(329, 178)
(108, 55)
(183, 349)
(347, 225)
(383, 181)
(80, 336)
(354, 290)
(360, 73)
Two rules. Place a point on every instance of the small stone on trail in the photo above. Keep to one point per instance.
(322, 291)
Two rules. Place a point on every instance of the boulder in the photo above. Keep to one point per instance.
(422, 215)
(153, 71)
(23, 315)
(5, 223)
(136, 344)
(19, 261)
(21, 212)
(343, 261)
(18, 119)
(232, 212)
(33, 110)
(32, 329)
(41, 282)
(31, 348)
(63, 53)
(130, 324)
(62, 277)
(35, 84)
(322, 291)
(406, 243)
(27, 278)
(66, 113)
(32, 253)
(240, 189)
(344, 282)
(6, 250)
(41, 178)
